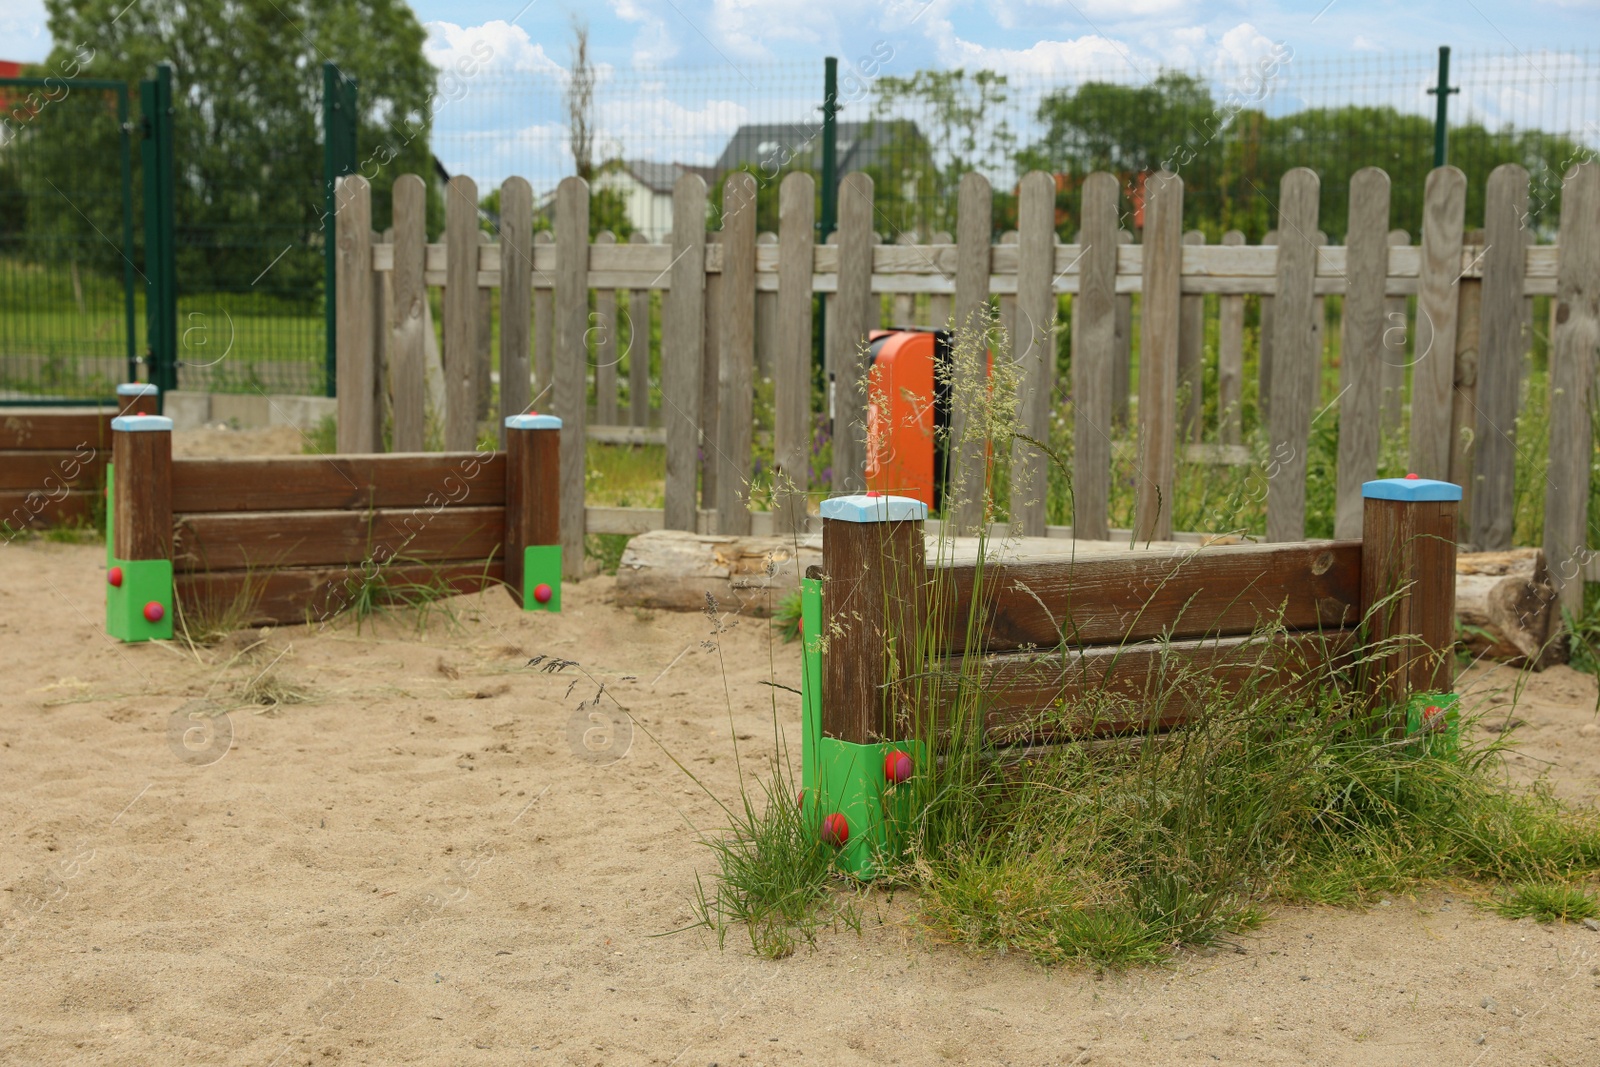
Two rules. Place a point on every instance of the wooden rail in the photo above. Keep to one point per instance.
(53, 460)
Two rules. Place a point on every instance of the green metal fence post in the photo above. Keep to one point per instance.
(828, 217)
(160, 254)
(125, 130)
(1441, 131)
(338, 159)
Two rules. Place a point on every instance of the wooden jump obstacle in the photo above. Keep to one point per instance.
(297, 538)
(1058, 650)
(52, 461)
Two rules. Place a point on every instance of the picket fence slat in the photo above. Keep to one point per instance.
(1295, 363)
(1499, 360)
(1433, 366)
(1158, 356)
(1361, 354)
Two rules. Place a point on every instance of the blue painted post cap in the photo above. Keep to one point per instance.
(874, 507)
(137, 389)
(135, 423)
(533, 422)
(1410, 489)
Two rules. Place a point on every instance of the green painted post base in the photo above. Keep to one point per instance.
(849, 781)
(1434, 720)
(143, 581)
(541, 565)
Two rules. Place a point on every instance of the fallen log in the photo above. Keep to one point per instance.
(1506, 608)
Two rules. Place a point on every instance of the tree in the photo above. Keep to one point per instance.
(247, 91)
(580, 102)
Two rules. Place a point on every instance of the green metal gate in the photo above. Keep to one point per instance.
(69, 280)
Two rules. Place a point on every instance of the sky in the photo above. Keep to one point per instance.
(678, 76)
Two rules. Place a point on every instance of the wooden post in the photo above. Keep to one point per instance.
(138, 398)
(968, 463)
(850, 316)
(571, 328)
(1408, 587)
(139, 602)
(682, 337)
(1500, 346)
(873, 560)
(639, 349)
(1034, 347)
(460, 314)
(408, 339)
(1158, 356)
(1191, 356)
(1266, 327)
(533, 509)
(1361, 341)
(1230, 359)
(1395, 332)
(1122, 359)
(1096, 352)
(710, 375)
(1433, 371)
(1294, 355)
(544, 328)
(606, 346)
(1572, 385)
(354, 358)
(736, 371)
(791, 380)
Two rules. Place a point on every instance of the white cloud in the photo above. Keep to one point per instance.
(496, 45)
(1089, 56)
(668, 129)
(24, 30)
(652, 45)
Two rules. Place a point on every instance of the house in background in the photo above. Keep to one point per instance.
(781, 146)
(645, 188)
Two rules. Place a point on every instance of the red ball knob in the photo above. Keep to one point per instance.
(114, 576)
(897, 767)
(1432, 716)
(873, 492)
(1413, 477)
(835, 830)
(154, 612)
(542, 593)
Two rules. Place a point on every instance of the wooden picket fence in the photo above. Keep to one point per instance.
(734, 301)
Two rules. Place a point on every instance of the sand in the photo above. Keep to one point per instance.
(425, 863)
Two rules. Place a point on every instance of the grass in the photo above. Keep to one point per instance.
(1548, 902)
(1116, 854)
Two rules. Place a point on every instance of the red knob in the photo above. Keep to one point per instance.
(835, 830)
(1412, 477)
(897, 767)
(873, 492)
(542, 593)
(114, 576)
(154, 612)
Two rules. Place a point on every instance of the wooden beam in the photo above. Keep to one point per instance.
(533, 497)
(318, 594)
(142, 523)
(295, 483)
(262, 540)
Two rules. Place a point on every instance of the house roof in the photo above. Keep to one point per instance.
(661, 177)
(859, 144)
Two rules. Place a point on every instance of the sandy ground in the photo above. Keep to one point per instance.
(428, 862)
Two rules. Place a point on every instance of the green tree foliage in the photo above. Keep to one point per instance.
(247, 92)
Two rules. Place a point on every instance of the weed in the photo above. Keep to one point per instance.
(1548, 902)
(786, 617)
(606, 550)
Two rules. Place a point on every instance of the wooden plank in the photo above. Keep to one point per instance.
(51, 470)
(44, 430)
(682, 337)
(142, 523)
(354, 278)
(627, 435)
(407, 341)
(639, 351)
(1191, 357)
(851, 316)
(544, 331)
(736, 377)
(1319, 328)
(1264, 340)
(1408, 600)
(606, 347)
(533, 498)
(516, 300)
(1295, 366)
(968, 463)
(710, 378)
(1230, 359)
(1395, 332)
(460, 315)
(903, 307)
(1107, 690)
(258, 540)
(1223, 590)
(483, 364)
(43, 507)
(1361, 346)
(382, 328)
(1500, 348)
(1096, 352)
(1035, 348)
(871, 604)
(1158, 357)
(313, 595)
(1122, 361)
(311, 483)
(939, 303)
(1006, 302)
(1433, 365)
(1572, 385)
(766, 311)
(570, 403)
(1464, 398)
(791, 383)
